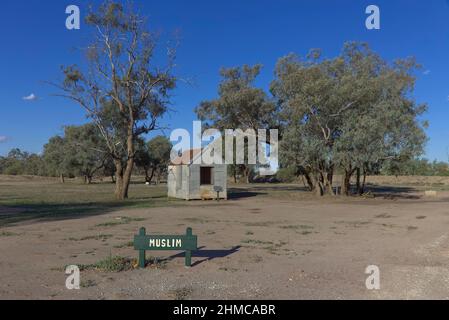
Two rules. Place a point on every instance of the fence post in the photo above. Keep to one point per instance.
(189, 234)
(142, 255)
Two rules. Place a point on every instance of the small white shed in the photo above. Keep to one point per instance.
(196, 181)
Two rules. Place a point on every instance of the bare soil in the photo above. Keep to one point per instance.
(266, 242)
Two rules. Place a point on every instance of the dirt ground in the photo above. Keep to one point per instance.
(274, 246)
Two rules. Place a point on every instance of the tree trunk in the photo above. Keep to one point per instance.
(319, 185)
(124, 174)
(330, 176)
(127, 178)
(62, 178)
(329, 188)
(319, 189)
(123, 178)
(359, 187)
(309, 181)
(364, 182)
(149, 178)
(346, 183)
(328, 179)
(120, 192)
(88, 179)
(118, 179)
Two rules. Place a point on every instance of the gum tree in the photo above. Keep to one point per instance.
(154, 157)
(56, 159)
(121, 87)
(240, 105)
(86, 151)
(313, 97)
(385, 126)
(349, 113)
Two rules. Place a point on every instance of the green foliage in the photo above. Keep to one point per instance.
(18, 162)
(80, 152)
(153, 157)
(121, 87)
(416, 167)
(110, 264)
(239, 105)
(352, 112)
(55, 157)
(85, 150)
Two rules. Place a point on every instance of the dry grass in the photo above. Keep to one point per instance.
(29, 198)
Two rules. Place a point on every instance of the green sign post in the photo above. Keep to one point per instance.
(144, 242)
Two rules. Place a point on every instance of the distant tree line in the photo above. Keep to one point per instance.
(19, 162)
(412, 167)
(416, 167)
(81, 152)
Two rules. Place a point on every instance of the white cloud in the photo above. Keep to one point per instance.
(31, 97)
(3, 139)
(426, 73)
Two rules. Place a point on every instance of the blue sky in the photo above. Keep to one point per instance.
(35, 43)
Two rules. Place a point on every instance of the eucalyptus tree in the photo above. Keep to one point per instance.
(314, 97)
(416, 167)
(56, 160)
(85, 150)
(34, 165)
(142, 159)
(19, 162)
(386, 124)
(159, 149)
(351, 112)
(154, 157)
(14, 162)
(108, 169)
(240, 105)
(121, 77)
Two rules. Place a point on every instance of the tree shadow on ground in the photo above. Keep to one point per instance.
(16, 214)
(237, 193)
(393, 192)
(250, 191)
(208, 255)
